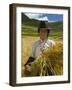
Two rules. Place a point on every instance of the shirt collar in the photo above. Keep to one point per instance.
(42, 41)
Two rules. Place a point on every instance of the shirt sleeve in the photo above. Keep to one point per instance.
(49, 43)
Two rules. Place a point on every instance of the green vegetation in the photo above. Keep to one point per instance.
(32, 31)
(30, 28)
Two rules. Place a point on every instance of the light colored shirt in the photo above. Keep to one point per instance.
(39, 45)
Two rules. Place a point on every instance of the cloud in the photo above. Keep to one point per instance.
(33, 16)
(45, 17)
(40, 17)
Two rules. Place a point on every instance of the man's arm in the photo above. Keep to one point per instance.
(30, 60)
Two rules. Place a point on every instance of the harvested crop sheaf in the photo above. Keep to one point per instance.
(49, 63)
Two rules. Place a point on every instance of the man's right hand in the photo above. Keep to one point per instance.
(28, 68)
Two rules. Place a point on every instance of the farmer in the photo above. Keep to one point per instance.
(40, 45)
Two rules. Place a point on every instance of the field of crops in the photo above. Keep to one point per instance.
(27, 42)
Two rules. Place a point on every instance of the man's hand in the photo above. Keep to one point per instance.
(28, 68)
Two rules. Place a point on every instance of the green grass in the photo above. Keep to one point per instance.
(33, 31)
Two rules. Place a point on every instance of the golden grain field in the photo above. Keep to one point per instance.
(26, 47)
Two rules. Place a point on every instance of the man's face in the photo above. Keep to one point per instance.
(43, 33)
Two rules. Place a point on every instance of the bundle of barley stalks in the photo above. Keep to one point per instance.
(49, 63)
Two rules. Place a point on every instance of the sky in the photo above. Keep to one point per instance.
(45, 17)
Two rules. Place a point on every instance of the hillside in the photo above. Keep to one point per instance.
(30, 27)
(35, 23)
